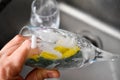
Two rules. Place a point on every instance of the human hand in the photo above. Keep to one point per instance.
(12, 58)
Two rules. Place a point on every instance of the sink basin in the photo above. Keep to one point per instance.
(79, 22)
(104, 36)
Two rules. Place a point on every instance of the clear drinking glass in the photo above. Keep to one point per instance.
(61, 49)
(45, 13)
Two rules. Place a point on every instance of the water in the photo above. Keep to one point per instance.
(45, 13)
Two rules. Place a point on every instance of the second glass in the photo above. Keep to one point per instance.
(45, 13)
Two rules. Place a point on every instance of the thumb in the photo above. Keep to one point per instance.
(41, 74)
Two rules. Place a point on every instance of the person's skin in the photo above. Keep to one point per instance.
(12, 58)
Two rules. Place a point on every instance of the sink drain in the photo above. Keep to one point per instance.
(94, 39)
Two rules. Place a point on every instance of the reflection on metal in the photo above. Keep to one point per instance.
(80, 15)
(106, 10)
(113, 72)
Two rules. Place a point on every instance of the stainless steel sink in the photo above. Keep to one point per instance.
(79, 22)
(105, 36)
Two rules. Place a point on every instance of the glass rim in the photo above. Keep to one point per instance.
(32, 8)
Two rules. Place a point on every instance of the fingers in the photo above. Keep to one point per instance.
(9, 51)
(41, 74)
(20, 54)
(17, 49)
(15, 41)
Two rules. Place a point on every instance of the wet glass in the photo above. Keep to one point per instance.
(45, 13)
(61, 49)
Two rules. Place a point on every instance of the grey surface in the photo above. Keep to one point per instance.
(105, 10)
